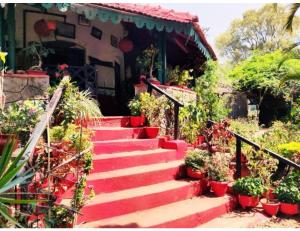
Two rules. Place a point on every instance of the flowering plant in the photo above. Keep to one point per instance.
(218, 167)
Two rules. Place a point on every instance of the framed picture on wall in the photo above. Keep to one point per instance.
(83, 21)
(65, 29)
(114, 41)
(97, 33)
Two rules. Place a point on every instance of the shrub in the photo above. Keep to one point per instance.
(218, 167)
(196, 159)
(288, 191)
(289, 149)
(249, 186)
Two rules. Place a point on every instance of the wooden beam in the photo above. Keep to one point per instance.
(11, 33)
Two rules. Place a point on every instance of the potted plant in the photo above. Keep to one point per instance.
(288, 193)
(178, 77)
(136, 119)
(195, 162)
(34, 52)
(219, 172)
(249, 190)
(152, 109)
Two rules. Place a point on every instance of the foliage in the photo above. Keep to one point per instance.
(248, 186)
(135, 107)
(10, 177)
(244, 127)
(179, 77)
(260, 29)
(75, 103)
(218, 167)
(288, 191)
(206, 90)
(260, 164)
(153, 108)
(291, 151)
(19, 118)
(147, 60)
(196, 159)
(192, 120)
(34, 52)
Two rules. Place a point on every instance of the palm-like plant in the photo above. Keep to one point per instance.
(10, 168)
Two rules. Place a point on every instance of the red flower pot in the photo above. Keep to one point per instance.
(219, 188)
(194, 173)
(151, 132)
(271, 208)
(135, 121)
(289, 209)
(248, 201)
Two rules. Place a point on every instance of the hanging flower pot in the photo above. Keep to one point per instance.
(270, 207)
(135, 121)
(41, 28)
(151, 132)
(289, 209)
(219, 188)
(51, 25)
(194, 173)
(126, 45)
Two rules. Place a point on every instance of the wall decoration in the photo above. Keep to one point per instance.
(82, 20)
(65, 29)
(114, 41)
(97, 33)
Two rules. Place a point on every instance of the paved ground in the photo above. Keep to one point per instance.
(281, 222)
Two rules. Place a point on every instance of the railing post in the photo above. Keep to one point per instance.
(238, 157)
(149, 90)
(176, 122)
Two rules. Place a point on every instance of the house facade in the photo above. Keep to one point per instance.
(100, 42)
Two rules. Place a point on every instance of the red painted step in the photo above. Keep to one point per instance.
(112, 181)
(110, 121)
(181, 214)
(112, 133)
(120, 160)
(126, 145)
(141, 198)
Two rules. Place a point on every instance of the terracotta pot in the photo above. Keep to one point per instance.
(248, 201)
(4, 138)
(289, 209)
(135, 121)
(219, 188)
(194, 173)
(151, 132)
(36, 72)
(271, 208)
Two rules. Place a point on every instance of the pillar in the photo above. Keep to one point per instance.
(11, 33)
(162, 56)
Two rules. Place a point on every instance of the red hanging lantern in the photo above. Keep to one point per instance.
(41, 28)
(126, 45)
(51, 25)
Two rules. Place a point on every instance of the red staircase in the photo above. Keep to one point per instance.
(140, 182)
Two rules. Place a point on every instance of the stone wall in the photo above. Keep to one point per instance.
(22, 87)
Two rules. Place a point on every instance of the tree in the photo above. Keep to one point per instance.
(292, 12)
(260, 29)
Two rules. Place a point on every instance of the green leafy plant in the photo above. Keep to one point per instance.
(249, 186)
(289, 149)
(218, 167)
(147, 60)
(288, 190)
(197, 159)
(135, 107)
(178, 77)
(10, 177)
(75, 103)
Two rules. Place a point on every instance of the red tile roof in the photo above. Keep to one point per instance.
(157, 11)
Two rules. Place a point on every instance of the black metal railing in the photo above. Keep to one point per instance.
(176, 103)
(283, 162)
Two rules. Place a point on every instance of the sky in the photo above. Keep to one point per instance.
(217, 17)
